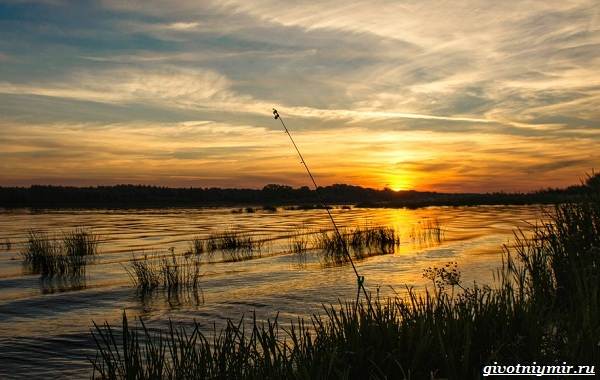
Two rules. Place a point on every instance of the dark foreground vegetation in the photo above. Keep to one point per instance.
(152, 196)
(544, 307)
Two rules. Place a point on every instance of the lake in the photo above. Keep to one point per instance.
(45, 323)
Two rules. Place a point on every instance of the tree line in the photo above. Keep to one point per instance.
(47, 196)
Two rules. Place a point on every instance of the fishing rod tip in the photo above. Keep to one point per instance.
(275, 114)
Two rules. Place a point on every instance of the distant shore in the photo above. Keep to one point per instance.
(134, 196)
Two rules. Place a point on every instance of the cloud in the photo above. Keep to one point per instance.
(198, 89)
(469, 92)
(121, 86)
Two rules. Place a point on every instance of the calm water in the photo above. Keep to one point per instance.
(44, 325)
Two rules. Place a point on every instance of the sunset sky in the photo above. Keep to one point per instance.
(447, 96)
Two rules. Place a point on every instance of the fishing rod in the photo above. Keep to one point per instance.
(360, 279)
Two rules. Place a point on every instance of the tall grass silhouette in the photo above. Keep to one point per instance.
(59, 257)
(171, 273)
(235, 246)
(427, 232)
(360, 242)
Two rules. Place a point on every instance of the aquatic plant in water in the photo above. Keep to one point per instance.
(171, 273)
(235, 246)
(298, 243)
(427, 232)
(196, 246)
(361, 242)
(54, 257)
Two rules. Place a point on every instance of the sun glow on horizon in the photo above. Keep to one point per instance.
(398, 183)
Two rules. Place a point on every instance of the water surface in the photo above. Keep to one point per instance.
(45, 324)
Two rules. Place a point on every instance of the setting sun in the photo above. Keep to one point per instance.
(398, 183)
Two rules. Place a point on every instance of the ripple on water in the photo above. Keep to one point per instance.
(44, 324)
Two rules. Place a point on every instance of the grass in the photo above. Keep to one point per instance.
(360, 242)
(235, 246)
(66, 257)
(544, 307)
(80, 243)
(299, 243)
(169, 273)
(7, 244)
(196, 246)
(428, 232)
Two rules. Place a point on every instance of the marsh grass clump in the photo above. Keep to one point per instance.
(179, 274)
(7, 244)
(360, 242)
(298, 243)
(53, 257)
(235, 246)
(80, 243)
(428, 232)
(144, 273)
(196, 246)
(170, 273)
(381, 238)
(41, 253)
(230, 240)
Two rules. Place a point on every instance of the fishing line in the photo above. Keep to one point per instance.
(360, 279)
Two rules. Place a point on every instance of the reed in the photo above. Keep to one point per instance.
(41, 253)
(197, 246)
(544, 307)
(80, 243)
(170, 273)
(144, 273)
(229, 240)
(178, 274)
(66, 257)
(235, 246)
(428, 232)
(360, 242)
(299, 243)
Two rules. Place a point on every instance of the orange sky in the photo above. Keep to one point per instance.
(450, 97)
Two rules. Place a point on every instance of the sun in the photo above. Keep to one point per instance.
(398, 183)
